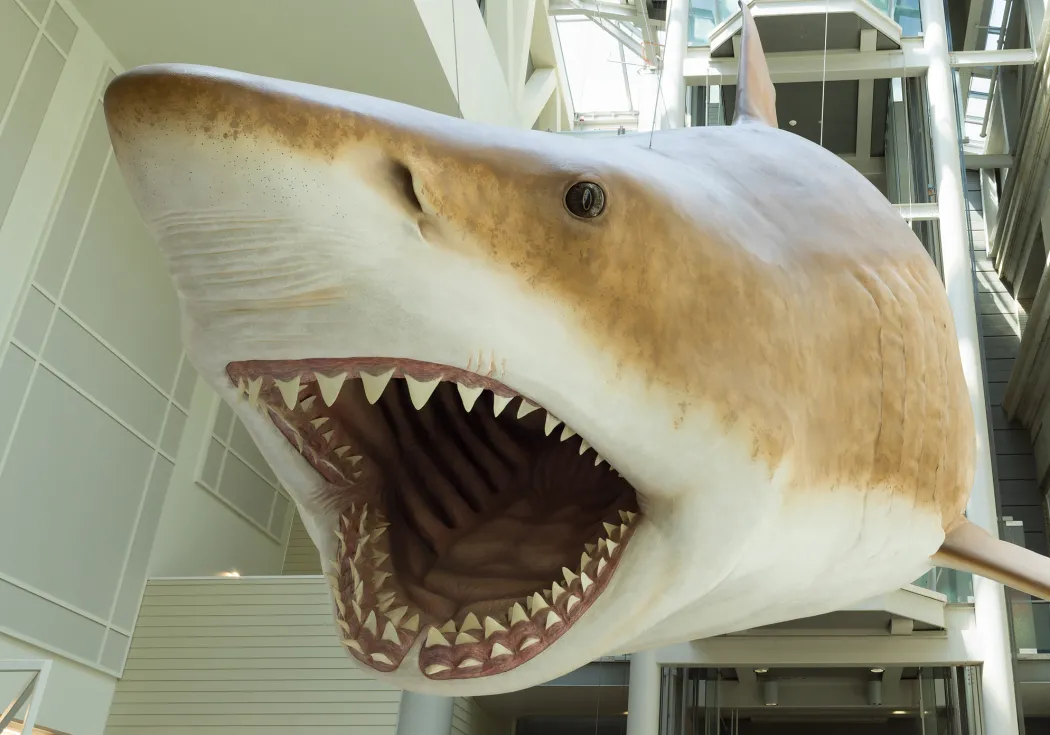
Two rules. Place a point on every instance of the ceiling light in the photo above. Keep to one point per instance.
(761, 671)
(877, 670)
(898, 712)
(233, 573)
(792, 123)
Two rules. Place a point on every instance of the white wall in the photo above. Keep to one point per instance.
(94, 388)
(224, 511)
(77, 697)
(301, 556)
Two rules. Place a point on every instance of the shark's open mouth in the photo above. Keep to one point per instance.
(469, 516)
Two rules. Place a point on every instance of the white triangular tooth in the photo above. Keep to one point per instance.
(390, 633)
(299, 442)
(526, 408)
(469, 395)
(567, 433)
(381, 658)
(556, 592)
(551, 423)
(374, 385)
(601, 566)
(609, 528)
(584, 446)
(589, 548)
(370, 622)
(357, 610)
(537, 603)
(254, 386)
(420, 391)
(434, 638)
(598, 459)
(307, 402)
(627, 516)
(492, 627)
(585, 581)
(623, 531)
(384, 606)
(468, 663)
(552, 620)
(378, 531)
(379, 577)
(327, 436)
(330, 386)
(464, 638)
(569, 576)
(572, 602)
(318, 422)
(470, 623)
(242, 387)
(530, 641)
(341, 606)
(435, 669)
(611, 545)
(385, 595)
(449, 627)
(517, 614)
(289, 391)
(584, 561)
(412, 624)
(602, 546)
(351, 643)
(379, 557)
(340, 451)
(498, 649)
(499, 403)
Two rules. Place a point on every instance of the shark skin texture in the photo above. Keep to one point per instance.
(540, 399)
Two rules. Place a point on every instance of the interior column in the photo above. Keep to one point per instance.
(643, 695)
(1000, 706)
(424, 714)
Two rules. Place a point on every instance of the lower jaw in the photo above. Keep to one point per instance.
(381, 616)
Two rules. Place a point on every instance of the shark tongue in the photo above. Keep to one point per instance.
(470, 518)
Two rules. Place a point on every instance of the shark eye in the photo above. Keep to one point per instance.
(585, 200)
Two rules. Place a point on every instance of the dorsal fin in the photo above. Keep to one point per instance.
(756, 98)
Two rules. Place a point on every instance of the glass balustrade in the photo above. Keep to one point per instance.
(956, 586)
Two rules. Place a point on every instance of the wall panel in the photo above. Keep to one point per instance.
(244, 655)
(301, 556)
(94, 381)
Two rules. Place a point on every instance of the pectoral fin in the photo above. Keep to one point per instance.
(969, 548)
(756, 99)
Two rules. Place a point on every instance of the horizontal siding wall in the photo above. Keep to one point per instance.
(468, 718)
(301, 556)
(238, 656)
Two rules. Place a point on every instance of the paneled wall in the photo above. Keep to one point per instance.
(468, 718)
(95, 390)
(301, 556)
(213, 657)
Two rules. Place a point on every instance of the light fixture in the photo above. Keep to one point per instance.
(769, 692)
(898, 712)
(875, 692)
(877, 670)
(232, 573)
(792, 123)
(761, 671)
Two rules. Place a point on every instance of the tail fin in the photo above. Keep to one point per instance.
(969, 548)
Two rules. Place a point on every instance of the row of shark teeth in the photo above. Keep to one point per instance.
(377, 621)
(306, 426)
(494, 644)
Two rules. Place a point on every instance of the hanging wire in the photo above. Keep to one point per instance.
(660, 77)
(598, 698)
(824, 74)
(455, 49)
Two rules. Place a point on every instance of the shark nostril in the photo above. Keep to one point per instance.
(403, 180)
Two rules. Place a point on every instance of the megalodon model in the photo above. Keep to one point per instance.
(540, 399)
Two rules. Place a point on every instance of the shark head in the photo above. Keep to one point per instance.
(537, 398)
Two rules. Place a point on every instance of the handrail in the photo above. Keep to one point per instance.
(33, 692)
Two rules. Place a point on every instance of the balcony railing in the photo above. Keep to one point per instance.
(706, 15)
(26, 701)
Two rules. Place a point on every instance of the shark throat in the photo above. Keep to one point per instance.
(475, 528)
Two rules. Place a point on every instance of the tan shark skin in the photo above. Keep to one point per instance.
(838, 358)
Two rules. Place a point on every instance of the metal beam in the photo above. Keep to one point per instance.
(865, 100)
(1004, 57)
(538, 90)
(911, 60)
(988, 160)
(615, 11)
